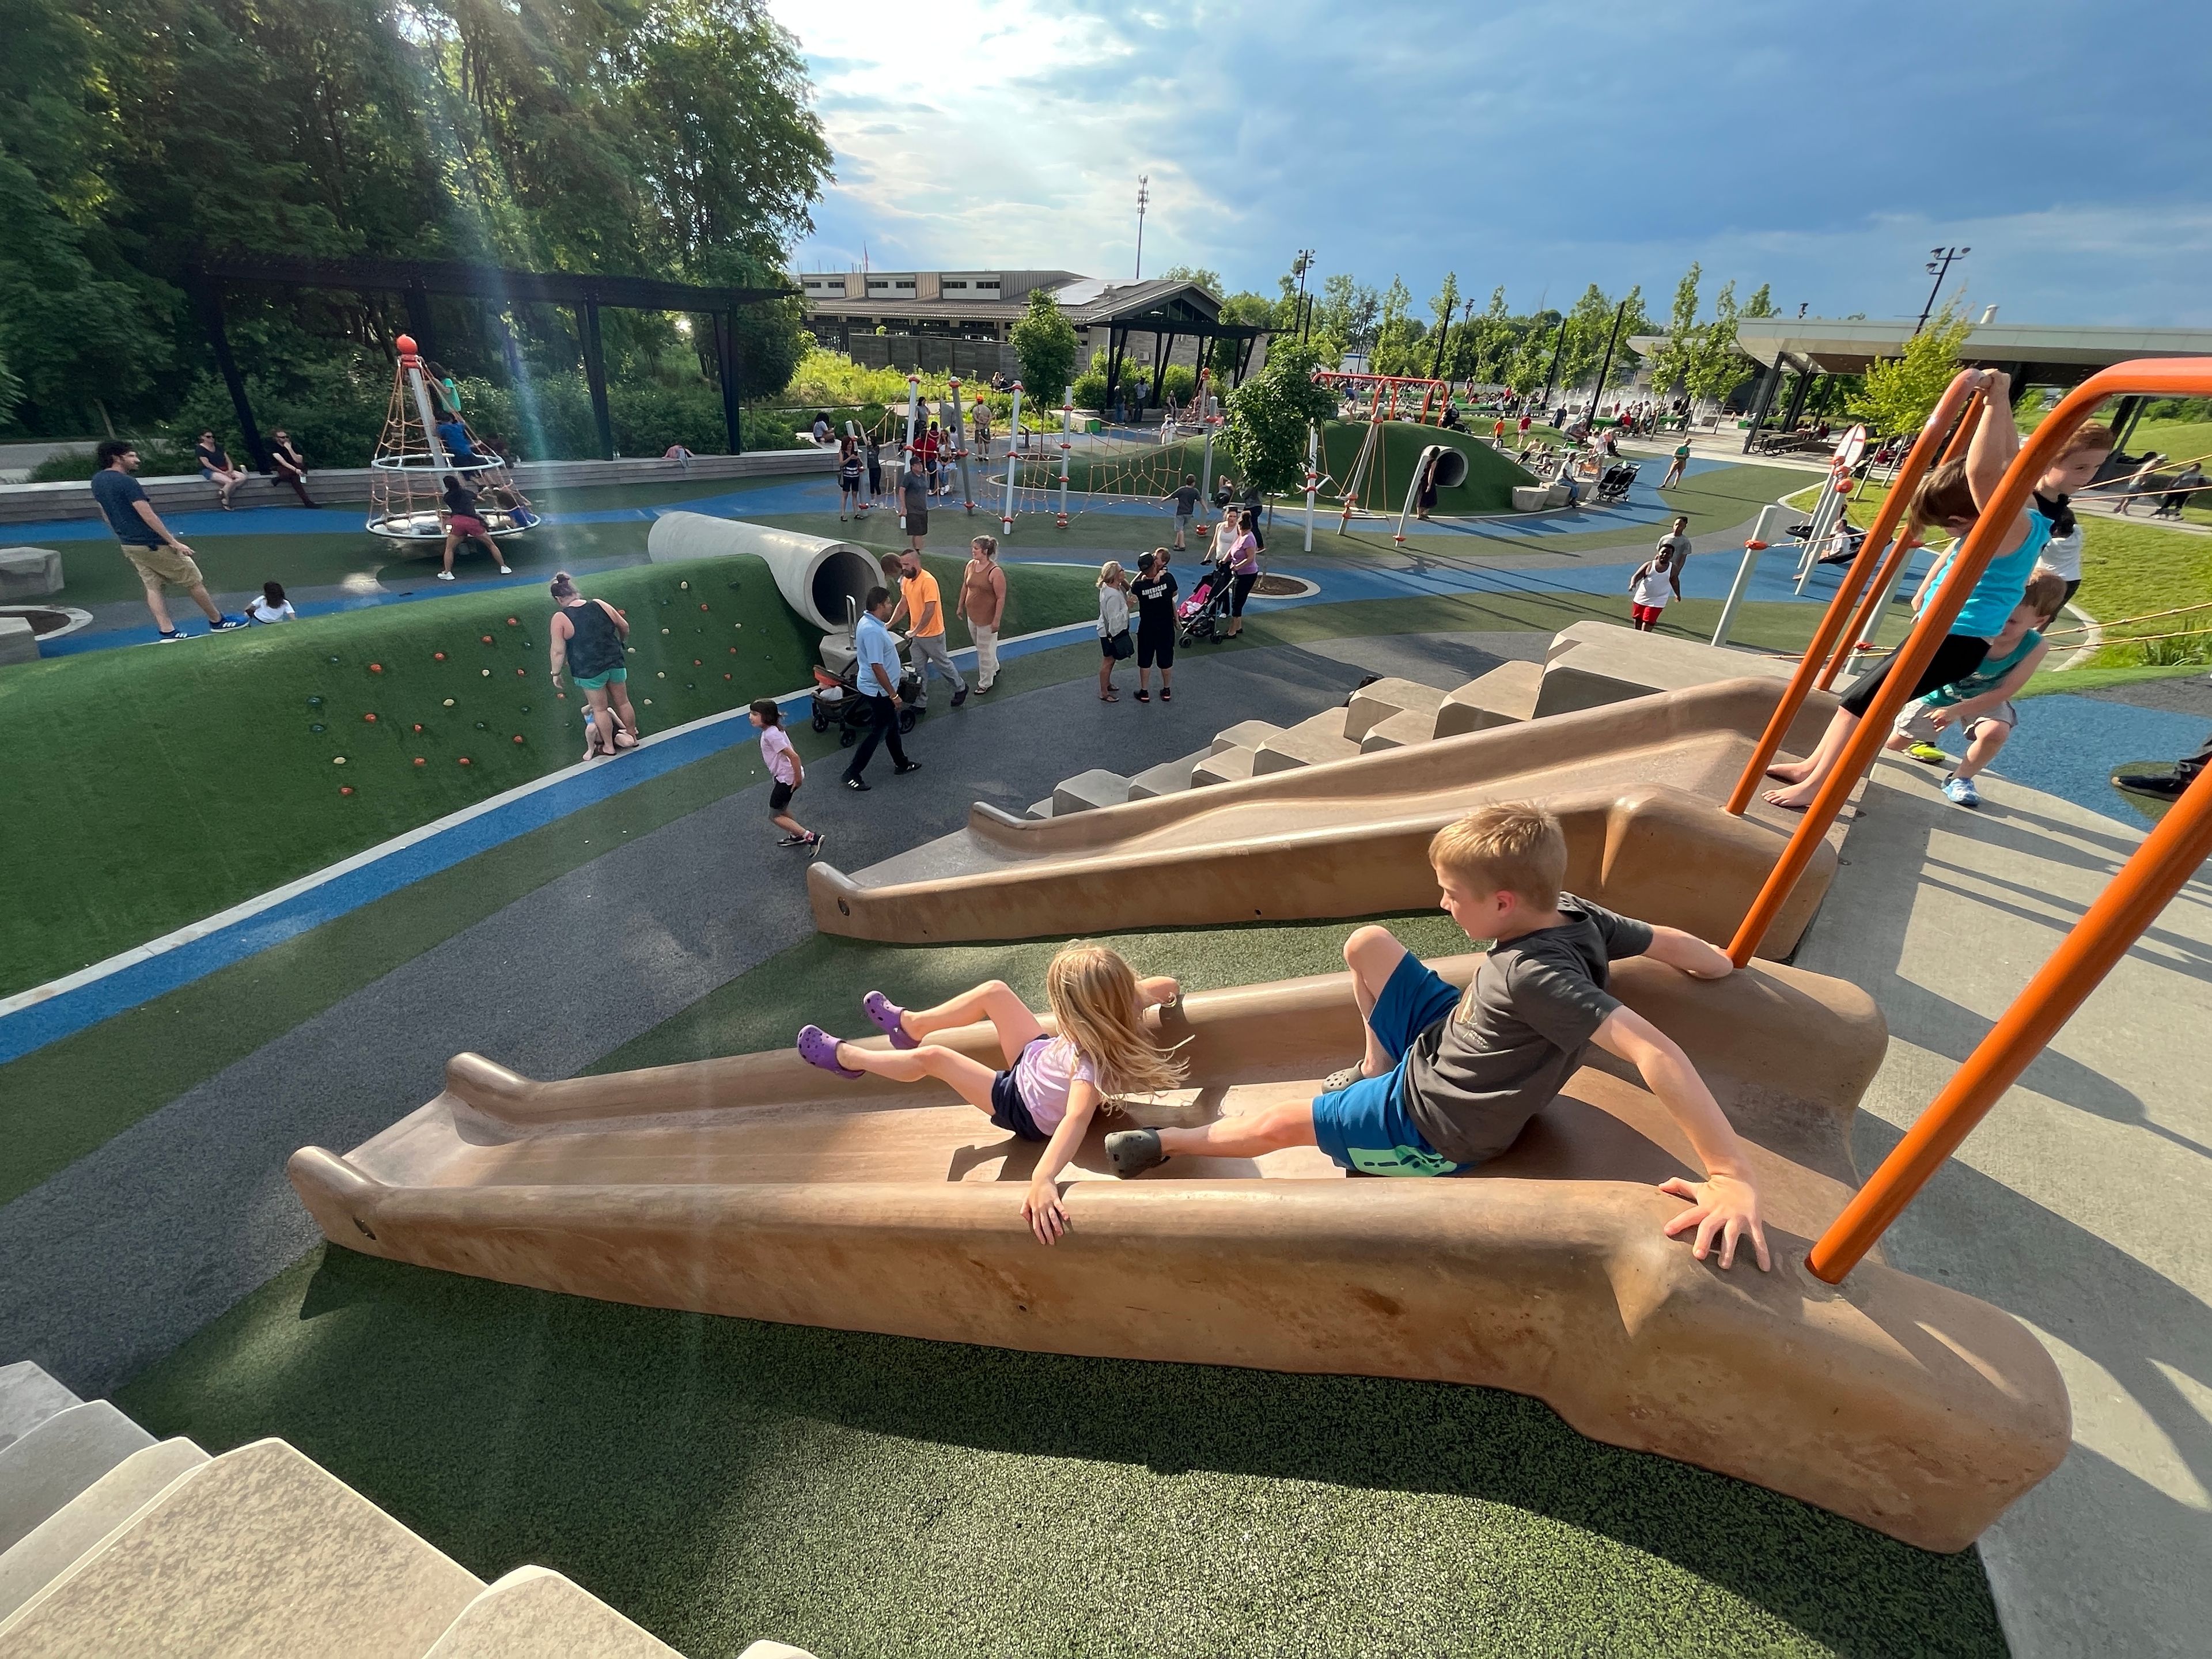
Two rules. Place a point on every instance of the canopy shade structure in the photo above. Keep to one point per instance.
(415, 280)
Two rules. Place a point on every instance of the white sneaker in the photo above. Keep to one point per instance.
(444, 575)
(507, 570)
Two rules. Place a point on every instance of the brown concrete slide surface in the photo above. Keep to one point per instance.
(1637, 785)
(759, 1186)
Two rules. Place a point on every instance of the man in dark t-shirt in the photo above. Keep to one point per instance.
(1155, 588)
(1185, 497)
(158, 557)
(1448, 1080)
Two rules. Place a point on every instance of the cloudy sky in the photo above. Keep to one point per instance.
(1825, 148)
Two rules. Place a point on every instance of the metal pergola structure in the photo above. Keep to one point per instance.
(1166, 328)
(415, 280)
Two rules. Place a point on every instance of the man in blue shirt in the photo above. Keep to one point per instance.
(876, 667)
(158, 555)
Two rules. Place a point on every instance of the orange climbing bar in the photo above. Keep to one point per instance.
(2173, 851)
(1955, 399)
(1863, 620)
(2166, 377)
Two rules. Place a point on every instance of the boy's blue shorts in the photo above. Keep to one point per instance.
(1365, 1127)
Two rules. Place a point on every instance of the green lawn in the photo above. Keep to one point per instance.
(150, 787)
(720, 1479)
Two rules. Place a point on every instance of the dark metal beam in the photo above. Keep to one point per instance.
(482, 281)
(208, 298)
(417, 301)
(595, 374)
(726, 369)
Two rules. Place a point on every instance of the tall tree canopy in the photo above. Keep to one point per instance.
(660, 137)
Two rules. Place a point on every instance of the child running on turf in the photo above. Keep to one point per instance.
(784, 766)
(1449, 1081)
(1052, 1086)
(1951, 496)
(1981, 704)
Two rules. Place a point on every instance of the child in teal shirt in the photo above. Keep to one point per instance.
(1980, 703)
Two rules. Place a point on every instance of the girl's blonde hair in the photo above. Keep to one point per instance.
(1093, 993)
(1109, 576)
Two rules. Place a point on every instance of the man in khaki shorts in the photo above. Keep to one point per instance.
(982, 606)
(160, 557)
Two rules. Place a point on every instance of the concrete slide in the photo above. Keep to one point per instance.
(756, 1186)
(1638, 785)
(816, 574)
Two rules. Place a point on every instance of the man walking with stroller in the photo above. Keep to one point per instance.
(876, 664)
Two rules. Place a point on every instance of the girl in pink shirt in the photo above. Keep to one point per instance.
(1053, 1084)
(785, 769)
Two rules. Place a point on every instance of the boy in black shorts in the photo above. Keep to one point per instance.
(1449, 1080)
(1155, 589)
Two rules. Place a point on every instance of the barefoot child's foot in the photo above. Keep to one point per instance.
(1789, 771)
(817, 1047)
(1796, 801)
(888, 1018)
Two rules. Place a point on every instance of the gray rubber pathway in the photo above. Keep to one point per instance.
(130, 1250)
(2080, 1205)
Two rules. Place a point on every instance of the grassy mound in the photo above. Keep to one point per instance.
(1490, 476)
(150, 787)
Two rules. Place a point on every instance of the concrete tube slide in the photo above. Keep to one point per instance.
(1638, 785)
(816, 574)
(758, 1187)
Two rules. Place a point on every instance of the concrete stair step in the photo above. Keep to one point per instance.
(1506, 694)
(256, 1554)
(47, 1551)
(1232, 765)
(1313, 742)
(534, 1613)
(1245, 734)
(1040, 809)
(1380, 700)
(28, 1396)
(1401, 731)
(58, 1459)
(1087, 791)
(1168, 778)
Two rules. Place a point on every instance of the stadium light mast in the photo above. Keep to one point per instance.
(1939, 267)
(1144, 195)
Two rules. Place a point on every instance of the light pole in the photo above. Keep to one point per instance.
(1299, 266)
(1144, 195)
(1939, 267)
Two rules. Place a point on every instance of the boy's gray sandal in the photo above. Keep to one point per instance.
(1133, 1152)
(1341, 1079)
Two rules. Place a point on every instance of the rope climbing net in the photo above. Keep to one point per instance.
(425, 438)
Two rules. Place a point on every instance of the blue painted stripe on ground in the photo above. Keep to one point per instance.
(62, 1015)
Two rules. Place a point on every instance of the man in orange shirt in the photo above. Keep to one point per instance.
(925, 615)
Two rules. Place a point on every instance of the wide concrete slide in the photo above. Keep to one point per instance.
(759, 1186)
(1637, 785)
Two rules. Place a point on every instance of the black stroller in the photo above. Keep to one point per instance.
(838, 701)
(1200, 616)
(1613, 484)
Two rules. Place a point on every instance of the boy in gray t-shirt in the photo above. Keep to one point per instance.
(1448, 1080)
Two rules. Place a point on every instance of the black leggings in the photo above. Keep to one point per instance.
(1958, 656)
(1239, 591)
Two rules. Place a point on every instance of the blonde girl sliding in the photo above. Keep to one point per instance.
(1052, 1086)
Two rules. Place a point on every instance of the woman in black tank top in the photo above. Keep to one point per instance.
(587, 637)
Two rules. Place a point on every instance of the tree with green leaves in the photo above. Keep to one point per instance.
(1489, 341)
(1716, 365)
(1269, 414)
(1670, 362)
(1443, 305)
(1399, 333)
(1899, 393)
(1044, 341)
(1761, 303)
(1589, 322)
(1208, 280)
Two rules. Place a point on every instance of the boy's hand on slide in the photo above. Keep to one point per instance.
(1041, 1208)
(1726, 1206)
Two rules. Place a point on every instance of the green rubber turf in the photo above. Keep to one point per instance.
(147, 788)
(721, 1480)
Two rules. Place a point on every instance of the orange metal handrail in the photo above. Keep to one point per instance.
(2176, 847)
(1956, 398)
(1863, 619)
(2172, 376)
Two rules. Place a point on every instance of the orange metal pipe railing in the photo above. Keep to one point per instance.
(2176, 847)
(2171, 377)
(1956, 398)
(1863, 619)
